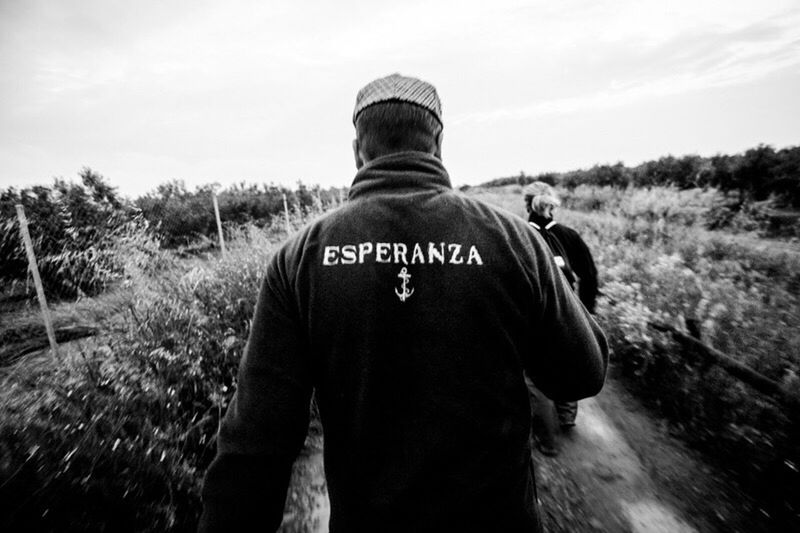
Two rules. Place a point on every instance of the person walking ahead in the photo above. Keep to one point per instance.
(413, 311)
(576, 263)
(541, 202)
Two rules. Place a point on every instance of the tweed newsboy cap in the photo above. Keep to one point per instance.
(398, 88)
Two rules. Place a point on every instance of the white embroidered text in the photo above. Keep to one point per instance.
(402, 254)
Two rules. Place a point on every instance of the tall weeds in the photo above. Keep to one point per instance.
(741, 294)
(117, 435)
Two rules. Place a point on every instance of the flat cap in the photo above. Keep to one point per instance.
(398, 88)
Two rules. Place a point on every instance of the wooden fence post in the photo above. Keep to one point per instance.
(735, 368)
(320, 207)
(37, 280)
(219, 223)
(286, 212)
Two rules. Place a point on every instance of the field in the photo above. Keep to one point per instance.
(739, 293)
(115, 435)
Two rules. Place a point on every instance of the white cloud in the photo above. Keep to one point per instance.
(187, 85)
(692, 60)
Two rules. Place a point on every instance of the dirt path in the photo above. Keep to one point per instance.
(618, 470)
(608, 488)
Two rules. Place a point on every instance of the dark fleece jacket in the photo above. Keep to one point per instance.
(578, 256)
(413, 311)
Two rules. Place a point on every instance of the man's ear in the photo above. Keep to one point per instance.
(357, 154)
(438, 152)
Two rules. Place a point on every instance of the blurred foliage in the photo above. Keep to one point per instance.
(741, 300)
(740, 293)
(686, 207)
(117, 436)
(522, 179)
(699, 207)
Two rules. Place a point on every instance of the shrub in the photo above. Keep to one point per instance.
(182, 217)
(743, 301)
(675, 206)
(117, 437)
(73, 228)
(757, 174)
(741, 294)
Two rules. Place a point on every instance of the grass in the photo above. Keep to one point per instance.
(740, 292)
(116, 435)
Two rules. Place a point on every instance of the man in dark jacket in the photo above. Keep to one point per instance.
(412, 310)
(576, 263)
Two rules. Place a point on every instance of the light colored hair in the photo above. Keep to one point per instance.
(540, 194)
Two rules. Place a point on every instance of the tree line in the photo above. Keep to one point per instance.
(75, 226)
(758, 174)
(181, 216)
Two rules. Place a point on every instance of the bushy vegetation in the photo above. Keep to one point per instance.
(74, 228)
(522, 179)
(756, 174)
(751, 185)
(740, 294)
(700, 208)
(117, 436)
(684, 207)
(743, 302)
(182, 217)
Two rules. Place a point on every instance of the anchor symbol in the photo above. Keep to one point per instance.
(406, 292)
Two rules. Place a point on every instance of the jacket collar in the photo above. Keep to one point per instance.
(400, 171)
(540, 222)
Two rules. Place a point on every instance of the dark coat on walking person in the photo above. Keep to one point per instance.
(412, 311)
(577, 256)
(577, 265)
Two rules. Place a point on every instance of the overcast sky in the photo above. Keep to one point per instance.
(146, 91)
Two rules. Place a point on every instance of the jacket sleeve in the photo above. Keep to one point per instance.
(583, 264)
(266, 422)
(570, 356)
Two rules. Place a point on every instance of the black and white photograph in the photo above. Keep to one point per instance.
(400, 267)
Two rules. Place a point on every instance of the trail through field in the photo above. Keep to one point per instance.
(618, 471)
(611, 489)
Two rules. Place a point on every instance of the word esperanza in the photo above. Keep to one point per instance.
(401, 254)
